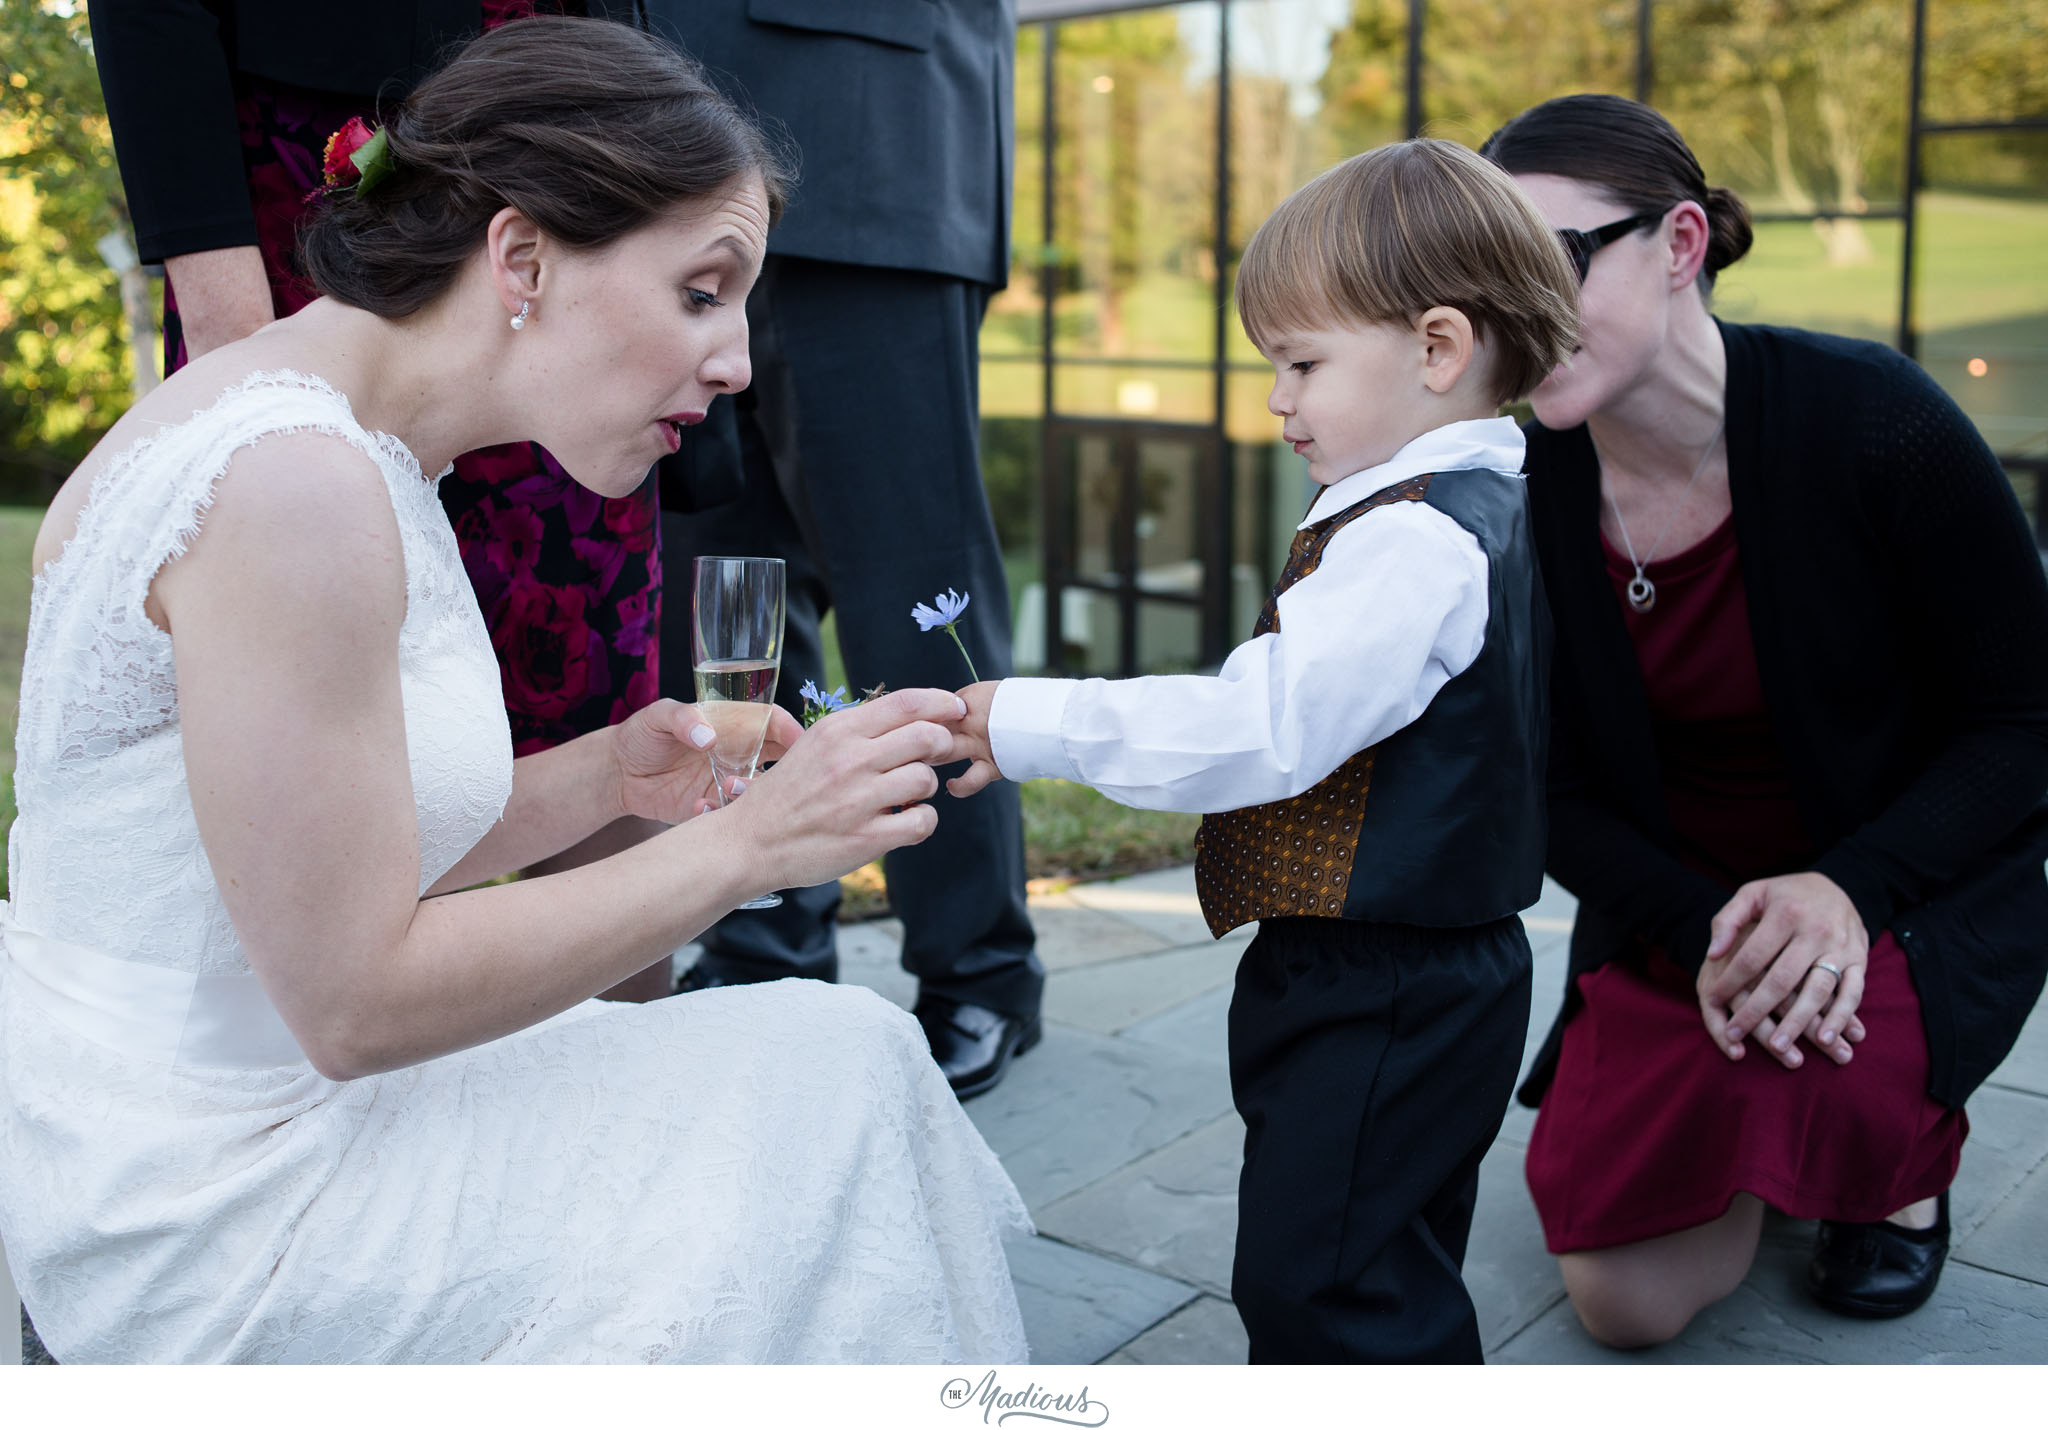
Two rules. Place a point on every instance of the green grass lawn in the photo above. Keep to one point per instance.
(17, 538)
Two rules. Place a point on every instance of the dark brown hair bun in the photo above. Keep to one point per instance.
(588, 127)
(1728, 231)
(1631, 151)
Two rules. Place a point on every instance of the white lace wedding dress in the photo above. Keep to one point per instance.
(775, 1173)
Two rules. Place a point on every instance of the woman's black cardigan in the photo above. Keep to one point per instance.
(1900, 619)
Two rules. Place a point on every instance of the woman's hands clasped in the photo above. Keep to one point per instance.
(1786, 960)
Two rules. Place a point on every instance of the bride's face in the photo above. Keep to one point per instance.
(640, 335)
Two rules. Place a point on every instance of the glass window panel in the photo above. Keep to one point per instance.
(1015, 320)
(1090, 639)
(1010, 476)
(1268, 475)
(1484, 62)
(1311, 81)
(1797, 105)
(1169, 638)
(1134, 200)
(2030, 485)
(1241, 354)
(1097, 497)
(1169, 475)
(1981, 285)
(1011, 388)
(1984, 60)
(1805, 274)
(1246, 418)
(1084, 388)
(1092, 642)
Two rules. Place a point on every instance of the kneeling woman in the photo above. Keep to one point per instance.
(1799, 753)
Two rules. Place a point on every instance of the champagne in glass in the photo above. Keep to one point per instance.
(737, 651)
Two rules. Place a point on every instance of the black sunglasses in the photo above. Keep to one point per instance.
(1581, 245)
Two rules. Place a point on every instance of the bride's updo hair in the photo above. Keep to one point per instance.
(588, 127)
(1631, 151)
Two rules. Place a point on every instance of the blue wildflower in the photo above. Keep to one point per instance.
(951, 605)
(817, 704)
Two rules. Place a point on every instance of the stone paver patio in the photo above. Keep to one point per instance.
(1119, 1130)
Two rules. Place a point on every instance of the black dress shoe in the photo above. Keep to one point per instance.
(699, 976)
(973, 1045)
(1877, 1269)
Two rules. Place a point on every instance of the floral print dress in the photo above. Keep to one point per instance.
(569, 582)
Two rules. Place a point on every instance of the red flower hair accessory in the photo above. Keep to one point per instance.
(356, 157)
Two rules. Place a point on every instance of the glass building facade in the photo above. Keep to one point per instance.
(1894, 154)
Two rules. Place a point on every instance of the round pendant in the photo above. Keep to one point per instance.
(1641, 594)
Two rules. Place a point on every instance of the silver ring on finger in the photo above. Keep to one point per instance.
(1830, 968)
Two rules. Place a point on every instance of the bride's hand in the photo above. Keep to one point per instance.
(851, 789)
(662, 755)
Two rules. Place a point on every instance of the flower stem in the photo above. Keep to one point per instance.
(963, 652)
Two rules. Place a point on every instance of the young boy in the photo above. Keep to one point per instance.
(1372, 761)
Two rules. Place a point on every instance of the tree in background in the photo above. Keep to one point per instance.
(66, 368)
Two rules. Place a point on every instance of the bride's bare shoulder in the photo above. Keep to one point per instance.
(183, 396)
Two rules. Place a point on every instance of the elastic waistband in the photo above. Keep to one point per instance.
(160, 1015)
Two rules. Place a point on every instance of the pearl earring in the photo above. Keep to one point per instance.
(519, 318)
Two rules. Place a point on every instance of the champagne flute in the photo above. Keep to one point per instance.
(736, 646)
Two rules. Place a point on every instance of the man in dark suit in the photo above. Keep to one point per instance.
(858, 447)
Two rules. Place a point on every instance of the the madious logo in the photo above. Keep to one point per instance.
(1033, 1402)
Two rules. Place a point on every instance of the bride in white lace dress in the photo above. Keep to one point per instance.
(271, 1087)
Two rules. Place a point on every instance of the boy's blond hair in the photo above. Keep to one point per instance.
(1389, 234)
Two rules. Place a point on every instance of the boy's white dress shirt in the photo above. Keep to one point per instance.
(1396, 609)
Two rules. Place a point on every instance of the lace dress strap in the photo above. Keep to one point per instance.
(144, 509)
(147, 505)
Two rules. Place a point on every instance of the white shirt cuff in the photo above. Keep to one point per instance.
(1024, 729)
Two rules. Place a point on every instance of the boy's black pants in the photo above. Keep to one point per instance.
(1372, 1064)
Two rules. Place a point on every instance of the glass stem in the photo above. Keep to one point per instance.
(963, 652)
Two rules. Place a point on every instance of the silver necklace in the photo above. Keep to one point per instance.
(1642, 592)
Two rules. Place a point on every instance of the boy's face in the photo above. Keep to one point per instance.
(1348, 397)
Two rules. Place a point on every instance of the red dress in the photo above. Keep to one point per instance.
(1648, 1128)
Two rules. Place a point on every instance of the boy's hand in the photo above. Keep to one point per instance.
(970, 742)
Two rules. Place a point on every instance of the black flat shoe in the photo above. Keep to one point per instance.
(973, 1045)
(32, 1349)
(701, 975)
(1877, 1269)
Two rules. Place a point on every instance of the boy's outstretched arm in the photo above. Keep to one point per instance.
(1396, 609)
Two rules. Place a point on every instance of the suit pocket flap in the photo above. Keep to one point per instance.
(909, 24)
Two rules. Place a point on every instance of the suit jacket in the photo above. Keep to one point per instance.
(169, 70)
(901, 110)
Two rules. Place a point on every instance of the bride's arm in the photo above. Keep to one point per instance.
(650, 766)
(284, 617)
(560, 797)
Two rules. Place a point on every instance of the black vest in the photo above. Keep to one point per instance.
(1442, 823)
